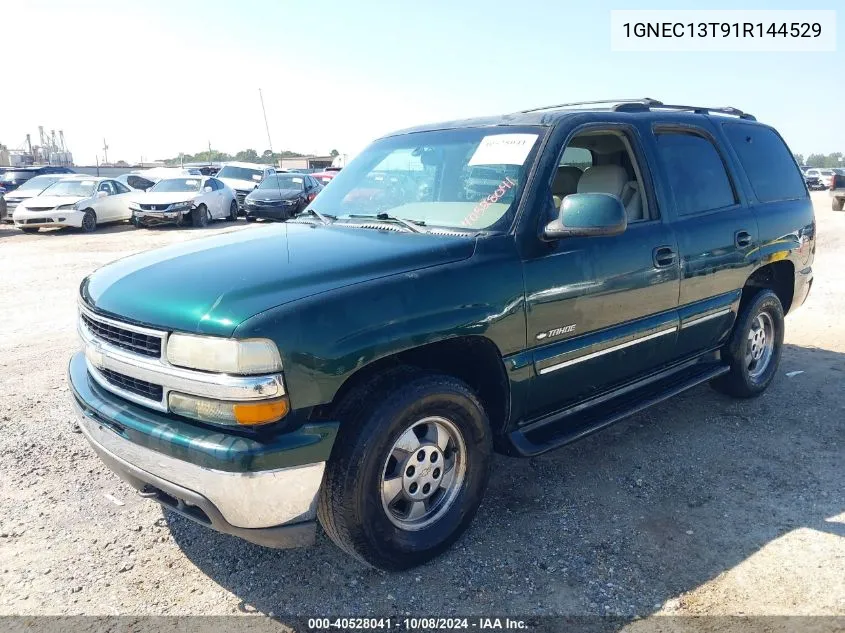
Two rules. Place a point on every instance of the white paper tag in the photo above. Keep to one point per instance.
(256, 177)
(299, 180)
(191, 183)
(503, 149)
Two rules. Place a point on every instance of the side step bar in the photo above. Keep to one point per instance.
(561, 428)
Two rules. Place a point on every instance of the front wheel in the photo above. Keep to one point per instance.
(199, 216)
(754, 349)
(837, 203)
(408, 471)
(233, 211)
(89, 221)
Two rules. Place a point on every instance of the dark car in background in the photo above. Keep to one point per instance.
(11, 179)
(324, 177)
(280, 197)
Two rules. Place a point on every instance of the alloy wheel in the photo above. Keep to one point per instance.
(759, 345)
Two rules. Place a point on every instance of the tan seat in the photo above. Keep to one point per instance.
(565, 183)
(613, 179)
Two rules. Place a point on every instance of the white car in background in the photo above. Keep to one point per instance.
(193, 199)
(27, 190)
(144, 179)
(79, 201)
(242, 178)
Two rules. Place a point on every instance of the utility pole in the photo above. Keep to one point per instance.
(210, 155)
(266, 127)
(105, 153)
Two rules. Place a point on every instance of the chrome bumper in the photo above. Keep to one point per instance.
(244, 501)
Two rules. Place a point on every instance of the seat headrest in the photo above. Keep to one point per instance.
(603, 179)
(566, 180)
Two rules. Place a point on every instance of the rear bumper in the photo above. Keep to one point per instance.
(274, 507)
(803, 284)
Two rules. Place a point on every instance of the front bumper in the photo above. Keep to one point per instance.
(52, 217)
(228, 482)
(270, 213)
(159, 217)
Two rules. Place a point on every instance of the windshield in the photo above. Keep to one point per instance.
(241, 173)
(464, 178)
(77, 188)
(282, 181)
(177, 184)
(826, 172)
(37, 184)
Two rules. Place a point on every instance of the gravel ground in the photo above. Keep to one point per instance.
(703, 505)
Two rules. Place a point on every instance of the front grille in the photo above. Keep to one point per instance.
(154, 207)
(133, 385)
(241, 195)
(37, 220)
(40, 208)
(144, 344)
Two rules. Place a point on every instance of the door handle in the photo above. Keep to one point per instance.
(742, 239)
(664, 256)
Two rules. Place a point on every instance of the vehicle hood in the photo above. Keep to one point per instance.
(21, 194)
(164, 197)
(272, 195)
(243, 185)
(212, 285)
(51, 201)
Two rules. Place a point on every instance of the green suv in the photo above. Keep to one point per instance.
(505, 284)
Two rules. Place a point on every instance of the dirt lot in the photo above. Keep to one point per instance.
(704, 505)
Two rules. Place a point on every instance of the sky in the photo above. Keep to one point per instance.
(158, 77)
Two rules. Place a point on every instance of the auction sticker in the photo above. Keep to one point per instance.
(503, 149)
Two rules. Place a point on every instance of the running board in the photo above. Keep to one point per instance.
(561, 428)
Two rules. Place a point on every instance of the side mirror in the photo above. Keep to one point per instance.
(102, 194)
(588, 215)
(207, 189)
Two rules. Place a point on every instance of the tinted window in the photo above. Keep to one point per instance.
(767, 162)
(121, 188)
(138, 182)
(695, 172)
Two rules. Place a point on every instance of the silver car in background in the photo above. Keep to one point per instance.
(29, 189)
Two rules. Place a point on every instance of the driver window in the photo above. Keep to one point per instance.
(106, 186)
(601, 162)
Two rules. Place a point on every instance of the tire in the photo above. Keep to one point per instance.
(249, 219)
(753, 359)
(89, 221)
(353, 509)
(199, 217)
(837, 203)
(29, 229)
(233, 211)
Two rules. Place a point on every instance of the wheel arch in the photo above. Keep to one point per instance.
(474, 359)
(779, 277)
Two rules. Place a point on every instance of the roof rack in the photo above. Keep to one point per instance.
(645, 101)
(640, 106)
(645, 104)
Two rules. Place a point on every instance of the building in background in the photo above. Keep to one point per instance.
(306, 162)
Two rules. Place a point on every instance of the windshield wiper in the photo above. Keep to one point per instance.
(412, 225)
(324, 218)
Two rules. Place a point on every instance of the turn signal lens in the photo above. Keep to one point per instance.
(228, 413)
(261, 412)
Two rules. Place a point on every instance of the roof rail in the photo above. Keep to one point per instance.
(644, 102)
(635, 106)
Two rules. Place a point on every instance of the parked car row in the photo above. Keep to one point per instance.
(819, 178)
(181, 196)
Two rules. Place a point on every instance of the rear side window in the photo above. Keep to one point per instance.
(695, 171)
(767, 162)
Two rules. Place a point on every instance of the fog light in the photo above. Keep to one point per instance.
(228, 413)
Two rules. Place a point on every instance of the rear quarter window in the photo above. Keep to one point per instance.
(767, 162)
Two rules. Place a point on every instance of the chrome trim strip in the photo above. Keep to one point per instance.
(608, 350)
(103, 355)
(704, 318)
(248, 500)
(101, 380)
(125, 326)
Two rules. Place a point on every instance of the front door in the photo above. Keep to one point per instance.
(601, 310)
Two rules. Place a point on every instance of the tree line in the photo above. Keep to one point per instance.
(244, 156)
(835, 159)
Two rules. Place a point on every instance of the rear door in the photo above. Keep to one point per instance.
(716, 230)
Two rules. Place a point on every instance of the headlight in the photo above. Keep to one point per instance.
(224, 355)
(181, 206)
(229, 413)
(65, 206)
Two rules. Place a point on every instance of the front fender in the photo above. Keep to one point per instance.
(326, 338)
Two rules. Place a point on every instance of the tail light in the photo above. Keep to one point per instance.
(311, 197)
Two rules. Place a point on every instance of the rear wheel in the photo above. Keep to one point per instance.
(249, 219)
(29, 229)
(233, 211)
(89, 221)
(837, 203)
(199, 216)
(409, 469)
(754, 348)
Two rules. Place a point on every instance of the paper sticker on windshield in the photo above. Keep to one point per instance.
(503, 149)
(88, 182)
(191, 183)
(298, 180)
(256, 176)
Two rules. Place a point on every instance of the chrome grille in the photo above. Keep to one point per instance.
(133, 385)
(145, 344)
